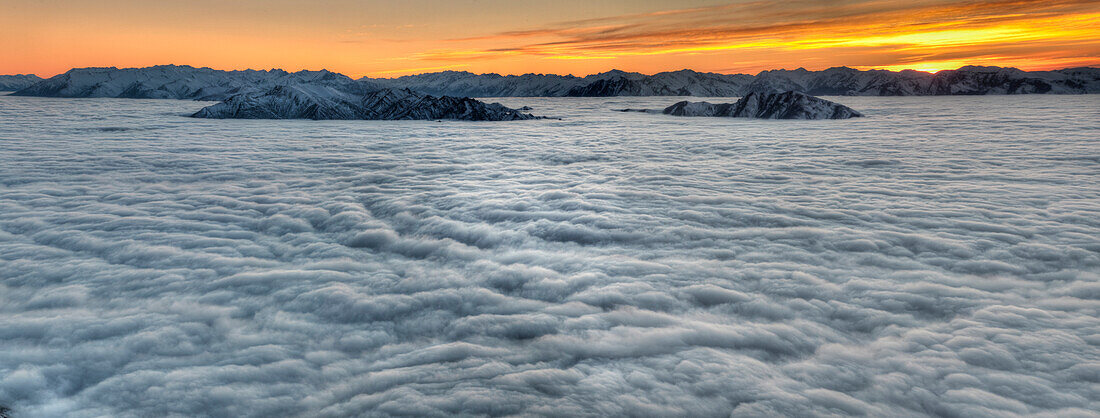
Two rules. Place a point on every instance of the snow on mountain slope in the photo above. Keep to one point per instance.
(970, 80)
(176, 82)
(841, 81)
(610, 83)
(306, 101)
(998, 80)
(1083, 79)
(184, 82)
(287, 102)
(788, 105)
(466, 84)
(17, 81)
(674, 83)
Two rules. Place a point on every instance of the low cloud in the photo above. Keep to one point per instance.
(635, 266)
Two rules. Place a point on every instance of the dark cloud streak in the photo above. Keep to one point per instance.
(773, 25)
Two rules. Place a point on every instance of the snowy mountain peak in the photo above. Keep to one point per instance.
(319, 102)
(175, 82)
(186, 82)
(787, 105)
(17, 81)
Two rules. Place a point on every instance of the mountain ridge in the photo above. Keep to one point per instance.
(15, 82)
(203, 83)
(330, 103)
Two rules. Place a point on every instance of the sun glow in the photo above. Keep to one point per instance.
(385, 39)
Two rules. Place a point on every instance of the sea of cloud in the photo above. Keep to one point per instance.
(940, 257)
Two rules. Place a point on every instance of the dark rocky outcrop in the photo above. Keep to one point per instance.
(324, 103)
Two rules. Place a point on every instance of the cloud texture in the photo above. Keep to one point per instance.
(939, 257)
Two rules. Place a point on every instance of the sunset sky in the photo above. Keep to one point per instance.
(392, 38)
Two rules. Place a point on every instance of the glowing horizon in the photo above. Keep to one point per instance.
(383, 39)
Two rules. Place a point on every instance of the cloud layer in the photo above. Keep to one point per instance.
(939, 257)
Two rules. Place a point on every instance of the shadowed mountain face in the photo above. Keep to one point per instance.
(467, 84)
(677, 83)
(842, 81)
(789, 105)
(322, 102)
(184, 82)
(618, 86)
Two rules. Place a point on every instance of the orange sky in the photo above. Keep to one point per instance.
(392, 38)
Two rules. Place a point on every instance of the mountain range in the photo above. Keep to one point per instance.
(185, 82)
(180, 82)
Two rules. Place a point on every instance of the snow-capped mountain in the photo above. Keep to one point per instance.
(837, 81)
(610, 83)
(788, 105)
(177, 82)
(843, 81)
(184, 82)
(674, 83)
(998, 80)
(466, 84)
(312, 101)
(17, 81)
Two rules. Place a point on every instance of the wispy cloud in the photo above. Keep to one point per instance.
(422, 69)
(909, 30)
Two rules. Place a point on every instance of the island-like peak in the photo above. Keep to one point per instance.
(17, 81)
(787, 105)
(326, 102)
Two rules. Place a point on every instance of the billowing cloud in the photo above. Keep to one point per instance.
(938, 258)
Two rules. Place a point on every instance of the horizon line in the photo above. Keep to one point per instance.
(867, 68)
